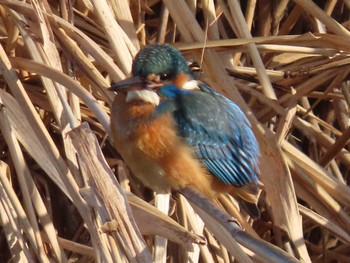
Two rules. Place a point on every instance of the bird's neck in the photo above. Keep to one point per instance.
(185, 81)
(137, 110)
(129, 117)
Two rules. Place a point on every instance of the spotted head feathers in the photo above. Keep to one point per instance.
(160, 59)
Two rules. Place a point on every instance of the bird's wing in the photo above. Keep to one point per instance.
(219, 133)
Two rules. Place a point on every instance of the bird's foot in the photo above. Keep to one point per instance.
(235, 221)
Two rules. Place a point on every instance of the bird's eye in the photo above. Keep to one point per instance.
(164, 76)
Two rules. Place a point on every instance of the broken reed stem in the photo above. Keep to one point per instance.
(106, 196)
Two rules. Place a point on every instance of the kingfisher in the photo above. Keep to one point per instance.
(174, 131)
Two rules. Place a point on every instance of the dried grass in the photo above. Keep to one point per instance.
(285, 63)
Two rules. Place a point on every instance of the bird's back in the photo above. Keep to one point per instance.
(218, 132)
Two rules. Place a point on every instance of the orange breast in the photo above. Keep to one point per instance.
(153, 151)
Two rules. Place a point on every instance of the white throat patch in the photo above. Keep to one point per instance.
(143, 95)
(190, 85)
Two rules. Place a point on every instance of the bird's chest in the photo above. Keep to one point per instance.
(142, 141)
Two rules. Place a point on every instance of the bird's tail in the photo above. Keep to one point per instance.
(251, 208)
(248, 197)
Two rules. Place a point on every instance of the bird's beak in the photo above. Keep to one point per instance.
(132, 83)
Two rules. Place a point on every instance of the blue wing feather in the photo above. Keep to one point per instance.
(217, 130)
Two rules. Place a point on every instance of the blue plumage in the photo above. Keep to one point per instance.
(217, 130)
(213, 126)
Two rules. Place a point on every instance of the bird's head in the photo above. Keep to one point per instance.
(154, 66)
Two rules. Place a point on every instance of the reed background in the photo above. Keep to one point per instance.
(285, 63)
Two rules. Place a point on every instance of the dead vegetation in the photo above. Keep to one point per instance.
(285, 63)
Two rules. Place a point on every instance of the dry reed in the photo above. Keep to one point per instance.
(285, 63)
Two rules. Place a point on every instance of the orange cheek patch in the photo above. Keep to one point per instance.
(181, 79)
(151, 77)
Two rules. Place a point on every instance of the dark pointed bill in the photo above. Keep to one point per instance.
(134, 83)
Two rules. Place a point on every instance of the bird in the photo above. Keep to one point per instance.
(173, 131)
